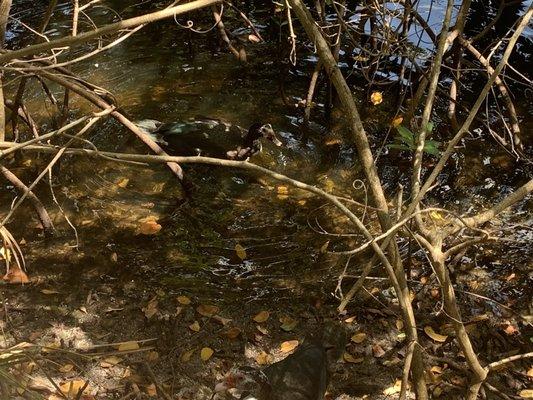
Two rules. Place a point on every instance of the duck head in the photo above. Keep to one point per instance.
(259, 130)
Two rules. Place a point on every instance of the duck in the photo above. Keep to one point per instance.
(209, 138)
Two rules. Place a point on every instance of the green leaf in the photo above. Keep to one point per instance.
(398, 146)
(430, 126)
(432, 147)
(407, 136)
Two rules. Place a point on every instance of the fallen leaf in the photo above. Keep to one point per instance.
(530, 372)
(207, 310)
(263, 358)
(376, 98)
(151, 309)
(399, 324)
(288, 324)
(253, 38)
(289, 345)
(126, 346)
(221, 320)
(350, 320)
(184, 300)
(151, 390)
(262, 316)
(231, 333)
(72, 388)
(49, 291)
(437, 337)
(437, 391)
(240, 251)
(152, 356)
(195, 326)
(378, 351)
(350, 358)
(185, 357)
(66, 368)
(324, 247)
(16, 275)
(110, 361)
(262, 329)
(206, 353)
(114, 257)
(283, 192)
(511, 330)
(393, 389)
(358, 337)
(526, 394)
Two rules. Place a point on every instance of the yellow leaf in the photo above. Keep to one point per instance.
(152, 356)
(289, 346)
(397, 121)
(240, 251)
(126, 346)
(263, 358)
(526, 394)
(184, 300)
(206, 353)
(324, 247)
(49, 291)
(66, 368)
(437, 216)
(110, 361)
(530, 372)
(436, 369)
(72, 388)
(207, 310)
(376, 98)
(195, 326)
(123, 183)
(358, 337)
(283, 192)
(350, 320)
(185, 357)
(262, 316)
(437, 337)
(351, 359)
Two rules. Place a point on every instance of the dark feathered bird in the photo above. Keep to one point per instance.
(210, 138)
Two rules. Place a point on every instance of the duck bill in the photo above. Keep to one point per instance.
(276, 141)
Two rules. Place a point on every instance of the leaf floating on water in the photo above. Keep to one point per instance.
(206, 353)
(376, 98)
(126, 346)
(358, 337)
(262, 316)
(184, 300)
(195, 326)
(350, 358)
(207, 310)
(240, 251)
(289, 345)
(437, 337)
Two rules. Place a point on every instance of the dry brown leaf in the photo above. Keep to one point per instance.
(436, 369)
(206, 353)
(289, 345)
(207, 310)
(151, 390)
(324, 247)
(114, 257)
(151, 309)
(262, 316)
(397, 121)
(288, 324)
(511, 330)
(195, 326)
(123, 183)
(126, 346)
(437, 337)
(350, 320)
(530, 372)
(253, 38)
(15, 275)
(184, 300)
(72, 388)
(240, 251)
(358, 337)
(262, 329)
(185, 357)
(110, 361)
(399, 324)
(221, 320)
(526, 394)
(378, 351)
(152, 356)
(350, 358)
(231, 333)
(66, 368)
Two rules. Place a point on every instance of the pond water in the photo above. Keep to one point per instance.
(155, 74)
